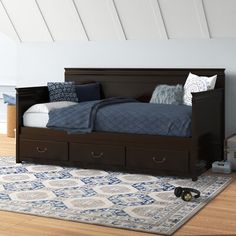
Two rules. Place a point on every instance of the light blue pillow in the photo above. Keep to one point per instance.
(11, 100)
(168, 94)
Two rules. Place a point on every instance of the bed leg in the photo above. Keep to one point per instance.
(194, 178)
(18, 161)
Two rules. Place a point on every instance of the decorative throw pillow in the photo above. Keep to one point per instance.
(194, 84)
(88, 92)
(168, 94)
(62, 91)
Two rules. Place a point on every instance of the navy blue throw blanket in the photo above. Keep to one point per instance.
(80, 118)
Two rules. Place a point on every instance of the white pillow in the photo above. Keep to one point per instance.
(194, 84)
(47, 107)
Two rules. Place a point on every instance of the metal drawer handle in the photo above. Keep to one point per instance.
(94, 155)
(40, 150)
(159, 161)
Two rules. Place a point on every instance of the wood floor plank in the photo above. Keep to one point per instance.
(217, 218)
(7, 146)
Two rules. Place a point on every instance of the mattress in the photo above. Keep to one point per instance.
(38, 114)
(38, 120)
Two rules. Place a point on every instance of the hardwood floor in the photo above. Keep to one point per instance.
(7, 146)
(217, 218)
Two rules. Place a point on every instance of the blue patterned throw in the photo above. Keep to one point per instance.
(123, 115)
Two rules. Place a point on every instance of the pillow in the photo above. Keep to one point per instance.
(47, 107)
(62, 91)
(194, 84)
(88, 92)
(167, 94)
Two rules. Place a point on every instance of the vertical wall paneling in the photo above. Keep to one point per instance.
(116, 18)
(80, 19)
(181, 19)
(6, 24)
(28, 21)
(159, 18)
(221, 17)
(49, 31)
(62, 20)
(138, 19)
(97, 19)
(202, 18)
(92, 20)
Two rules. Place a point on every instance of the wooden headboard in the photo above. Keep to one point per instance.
(137, 83)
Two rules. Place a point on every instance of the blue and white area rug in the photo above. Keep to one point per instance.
(130, 201)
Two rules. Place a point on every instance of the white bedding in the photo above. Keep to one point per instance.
(37, 115)
(39, 120)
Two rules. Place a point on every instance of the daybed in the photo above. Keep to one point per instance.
(139, 153)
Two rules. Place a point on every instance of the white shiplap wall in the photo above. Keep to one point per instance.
(62, 19)
(27, 20)
(56, 20)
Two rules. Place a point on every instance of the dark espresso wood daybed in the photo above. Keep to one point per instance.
(154, 154)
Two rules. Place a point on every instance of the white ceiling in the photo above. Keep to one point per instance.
(92, 20)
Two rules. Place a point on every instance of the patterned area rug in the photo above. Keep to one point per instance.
(131, 201)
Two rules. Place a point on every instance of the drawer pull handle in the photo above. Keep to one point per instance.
(94, 155)
(158, 161)
(40, 150)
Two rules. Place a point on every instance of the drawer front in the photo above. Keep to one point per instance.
(158, 159)
(97, 154)
(38, 149)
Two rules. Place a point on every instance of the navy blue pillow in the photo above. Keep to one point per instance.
(62, 91)
(88, 92)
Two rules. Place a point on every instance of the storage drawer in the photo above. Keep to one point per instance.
(158, 159)
(97, 154)
(38, 149)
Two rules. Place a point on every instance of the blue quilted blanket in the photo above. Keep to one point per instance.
(124, 116)
(80, 118)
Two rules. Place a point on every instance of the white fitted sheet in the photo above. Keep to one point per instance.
(38, 120)
(37, 115)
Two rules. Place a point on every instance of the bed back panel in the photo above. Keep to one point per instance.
(136, 83)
